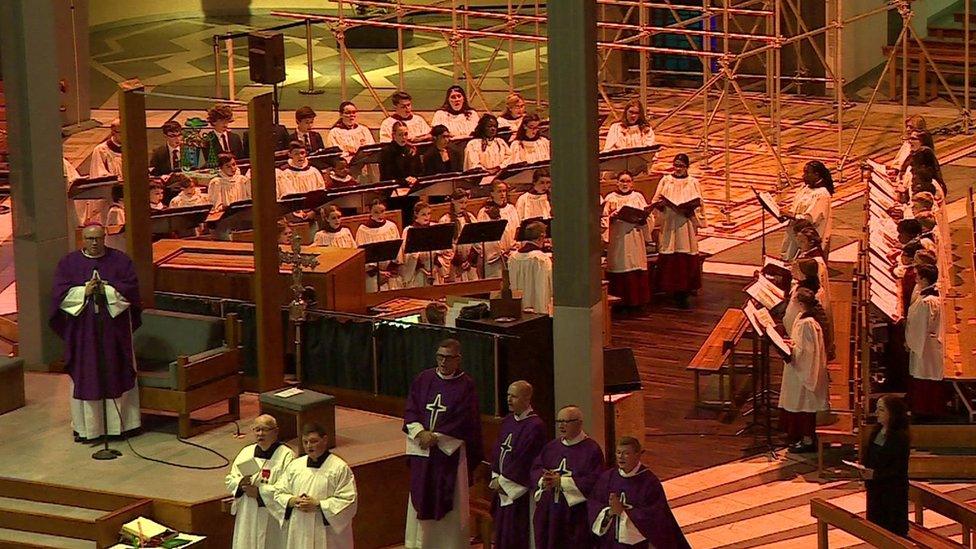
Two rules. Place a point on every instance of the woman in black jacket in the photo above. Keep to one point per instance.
(886, 462)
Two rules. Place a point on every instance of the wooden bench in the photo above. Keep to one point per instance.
(924, 497)
(717, 357)
(828, 514)
(930, 458)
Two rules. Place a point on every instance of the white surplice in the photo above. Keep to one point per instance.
(627, 250)
(510, 124)
(367, 235)
(334, 486)
(923, 337)
(496, 252)
(804, 387)
(445, 266)
(679, 234)
(451, 531)
(485, 153)
(224, 191)
(531, 273)
(338, 239)
(814, 206)
(349, 140)
(530, 205)
(619, 137)
(794, 308)
(295, 180)
(254, 526)
(460, 125)
(105, 161)
(414, 265)
(529, 151)
(183, 200)
(416, 127)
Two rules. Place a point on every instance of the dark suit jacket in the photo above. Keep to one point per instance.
(160, 162)
(281, 140)
(887, 492)
(233, 140)
(433, 164)
(317, 143)
(396, 163)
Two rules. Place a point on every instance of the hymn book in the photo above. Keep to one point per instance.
(249, 467)
(766, 293)
(686, 209)
(769, 204)
(777, 340)
(632, 215)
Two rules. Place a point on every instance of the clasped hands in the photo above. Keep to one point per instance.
(304, 503)
(427, 439)
(616, 506)
(92, 286)
(249, 489)
(551, 480)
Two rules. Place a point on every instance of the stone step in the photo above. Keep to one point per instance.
(18, 538)
(12, 505)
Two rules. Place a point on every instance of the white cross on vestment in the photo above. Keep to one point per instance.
(506, 449)
(625, 505)
(563, 470)
(435, 408)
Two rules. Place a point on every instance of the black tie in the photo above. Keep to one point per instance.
(308, 144)
(223, 142)
(176, 159)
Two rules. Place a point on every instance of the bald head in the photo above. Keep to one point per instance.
(265, 431)
(519, 397)
(569, 422)
(93, 240)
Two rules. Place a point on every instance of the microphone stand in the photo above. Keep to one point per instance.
(98, 301)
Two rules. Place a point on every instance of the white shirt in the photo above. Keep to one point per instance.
(536, 150)
(484, 153)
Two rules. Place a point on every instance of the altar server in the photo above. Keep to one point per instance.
(678, 214)
(513, 116)
(317, 496)
(106, 158)
(632, 131)
(399, 159)
(255, 526)
(923, 337)
(804, 389)
(298, 176)
(627, 246)
(229, 186)
(417, 269)
(628, 507)
(348, 134)
(530, 270)
(443, 432)
(529, 145)
(442, 157)
(461, 263)
(520, 439)
(189, 194)
(497, 252)
(377, 229)
(417, 128)
(812, 203)
(222, 139)
(535, 203)
(456, 113)
(333, 234)
(94, 308)
(486, 150)
(304, 122)
(564, 475)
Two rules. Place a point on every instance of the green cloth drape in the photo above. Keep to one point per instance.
(338, 352)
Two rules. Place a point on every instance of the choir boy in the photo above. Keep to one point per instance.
(377, 229)
(530, 270)
(304, 121)
(923, 337)
(535, 203)
(417, 128)
(298, 176)
(520, 439)
(168, 157)
(417, 269)
(106, 158)
(156, 193)
(679, 213)
(255, 526)
(229, 185)
(348, 134)
(629, 508)
(497, 252)
(804, 389)
(222, 139)
(459, 264)
(443, 431)
(627, 249)
(189, 195)
(564, 475)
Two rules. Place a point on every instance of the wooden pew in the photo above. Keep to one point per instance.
(923, 497)
(929, 459)
(828, 514)
(717, 356)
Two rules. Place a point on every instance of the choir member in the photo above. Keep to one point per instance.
(115, 220)
(229, 185)
(333, 234)
(222, 139)
(417, 128)
(339, 175)
(417, 269)
(156, 193)
(520, 439)
(886, 462)
(318, 495)
(255, 526)
(461, 263)
(529, 144)
(347, 134)
(923, 157)
(922, 201)
(486, 150)
(85, 210)
(812, 203)
(511, 119)
(434, 313)
(298, 176)
(497, 252)
(70, 172)
(565, 473)
(912, 123)
(628, 507)
(627, 248)
(442, 157)
(106, 158)
(530, 270)
(168, 157)
(678, 214)
(535, 203)
(806, 274)
(632, 131)
(456, 113)
(923, 337)
(189, 194)
(399, 160)
(304, 121)
(443, 431)
(804, 389)
(378, 229)
(809, 246)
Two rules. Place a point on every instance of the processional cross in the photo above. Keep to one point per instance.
(296, 309)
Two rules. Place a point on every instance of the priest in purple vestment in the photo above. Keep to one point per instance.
(519, 442)
(564, 475)
(443, 428)
(96, 292)
(628, 507)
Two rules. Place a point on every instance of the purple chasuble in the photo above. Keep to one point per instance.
(557, 525)
(79, 332)
(647, 508)
(450, 407)
(519, 443)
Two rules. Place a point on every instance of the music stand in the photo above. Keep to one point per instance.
(379, 252)
(480, 233)
(445, 184)
(520, 174)
(178, 220)
(430, 239)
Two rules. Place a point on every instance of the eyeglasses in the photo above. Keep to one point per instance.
(445, 357)
(567, 420)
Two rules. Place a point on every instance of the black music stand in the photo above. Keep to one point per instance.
(480, 233)
(381, 251)
(445, 184)
(178, 220)
(430, 239)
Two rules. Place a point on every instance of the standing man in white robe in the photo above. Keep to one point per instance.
(530, 270)
(805, 389)
(316, 496)
(106, 158)
(255, 526)
(924, 339)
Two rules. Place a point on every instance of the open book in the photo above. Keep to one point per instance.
(777, 340)
(766, 293)
(769, 204)
(759, 318)
(145, 529)
(632, 215)
(686, 209)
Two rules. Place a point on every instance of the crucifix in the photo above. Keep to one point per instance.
(506, 449)
(298, 306)
(435, 408)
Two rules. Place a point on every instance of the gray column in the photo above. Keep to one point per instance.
(578, 314)
(30, 78)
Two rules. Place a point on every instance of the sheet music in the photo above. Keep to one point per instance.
(768, 202)
(750, 311)
(765, 292)
(778, 342)
(775, 262)
(765, 319)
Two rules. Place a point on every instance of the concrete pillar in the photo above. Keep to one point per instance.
(30, 80)
(578, 314)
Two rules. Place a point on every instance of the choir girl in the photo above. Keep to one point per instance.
(417, 128)
(627, 249)
(339, 175)
(333, 234)
(535, 203)
(417, 269)
(498, 205)
(461, 263)
(442, 157)
(513, 114)
(812, 203)
(347, 134)
(378, 229)
(486, 150)
(804, 389)
(632, 131)
(529, 144)
(456, 113)
(678, 214)
(156, 194)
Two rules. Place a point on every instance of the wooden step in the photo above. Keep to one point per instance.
(927, 538)
(944, 436)
(10, 539)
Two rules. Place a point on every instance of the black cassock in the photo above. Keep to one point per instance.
(887, 491)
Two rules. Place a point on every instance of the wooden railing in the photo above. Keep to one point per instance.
(923, 497)
(828, 514)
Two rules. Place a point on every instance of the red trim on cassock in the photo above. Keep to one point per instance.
(632, 287)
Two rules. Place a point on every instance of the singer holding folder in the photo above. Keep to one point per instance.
(678, 214)
(626, 212)
(96, 292)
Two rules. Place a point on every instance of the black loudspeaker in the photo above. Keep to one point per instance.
(619, 371)
(266, 55)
